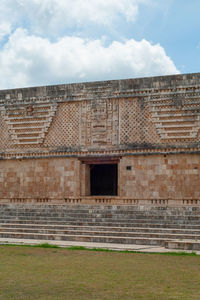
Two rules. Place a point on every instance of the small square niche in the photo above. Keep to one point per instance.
(128, 168)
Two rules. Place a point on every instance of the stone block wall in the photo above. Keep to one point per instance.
(175, 177)
(43, 178)
(160, 177)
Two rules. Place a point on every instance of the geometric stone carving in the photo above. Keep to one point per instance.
(28, 124)
(65, 129)
(176, 116)
(100, 123)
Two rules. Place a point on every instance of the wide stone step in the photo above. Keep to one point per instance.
(103, 220)
(92, 223)
(16, 226)
(102, 216)
(116, 214)
(86, 238)
(98, 209)
(102, 233)
(104, 210)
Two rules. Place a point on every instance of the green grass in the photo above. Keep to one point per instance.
(46, 245)
(52, 273)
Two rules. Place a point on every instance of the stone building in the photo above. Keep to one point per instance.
(133, 141)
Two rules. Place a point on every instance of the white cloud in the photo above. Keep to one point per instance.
(28, 60)
(5, 29)
(55, 16)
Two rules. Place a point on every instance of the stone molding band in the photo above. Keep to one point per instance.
(105, 200)
(111, 153)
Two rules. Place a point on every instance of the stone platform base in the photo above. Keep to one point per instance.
(172, 227)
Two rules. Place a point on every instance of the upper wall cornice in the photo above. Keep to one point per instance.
(136, 87)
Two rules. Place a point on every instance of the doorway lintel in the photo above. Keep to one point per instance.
(99, 160)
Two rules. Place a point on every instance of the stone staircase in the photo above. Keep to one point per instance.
(170, 227)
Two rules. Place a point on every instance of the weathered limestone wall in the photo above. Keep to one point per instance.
(43, 178)
(149, 177)
(160, 177)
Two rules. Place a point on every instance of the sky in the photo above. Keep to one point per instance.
(47, 42)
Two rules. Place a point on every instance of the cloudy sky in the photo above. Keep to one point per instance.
(46, 42)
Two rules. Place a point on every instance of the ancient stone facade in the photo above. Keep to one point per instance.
(134, 141)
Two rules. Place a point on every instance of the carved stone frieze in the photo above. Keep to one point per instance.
(28, 124)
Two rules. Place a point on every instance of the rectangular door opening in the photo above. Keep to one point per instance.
(103, 179)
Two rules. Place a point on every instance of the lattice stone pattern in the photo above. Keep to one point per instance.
(107, 124)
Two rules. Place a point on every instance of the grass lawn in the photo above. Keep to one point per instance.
(62, 274)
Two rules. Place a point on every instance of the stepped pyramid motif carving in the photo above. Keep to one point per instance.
(28, 123)
(176, 114)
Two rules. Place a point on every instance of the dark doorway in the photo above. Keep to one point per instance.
(103, 179)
